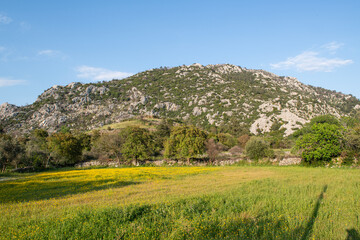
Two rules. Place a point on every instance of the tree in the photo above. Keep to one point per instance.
(257, 148)
(138, 144)
(65, 148)
(37, 151)
(321, 144)
(108, 144)
(9, 151)
(212, 149)
(227, 140)
(329, 119)
(243, 139)
(352, 144)
(162, 132)
(185, 142)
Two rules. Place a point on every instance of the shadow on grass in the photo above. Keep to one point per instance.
(310, 224)
(352, 234)
(21, 191)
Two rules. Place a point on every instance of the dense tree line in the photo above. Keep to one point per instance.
(318, 142)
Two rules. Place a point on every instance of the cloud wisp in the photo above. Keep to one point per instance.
(51, 53)
(6, 82)
(5, 19)
(332, 47)
(99, 74)
(313, 61)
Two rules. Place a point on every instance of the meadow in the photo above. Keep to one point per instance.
(233, 202)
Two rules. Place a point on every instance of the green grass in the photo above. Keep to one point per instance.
(241, 202)
(148, 123)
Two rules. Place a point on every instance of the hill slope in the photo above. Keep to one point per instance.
(203, 95)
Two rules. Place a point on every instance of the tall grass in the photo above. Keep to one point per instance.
(185, 203)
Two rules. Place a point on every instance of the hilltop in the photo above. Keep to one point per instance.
(212, 95)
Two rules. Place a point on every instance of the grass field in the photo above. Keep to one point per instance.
(182, 203)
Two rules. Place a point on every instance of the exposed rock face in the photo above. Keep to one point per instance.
(205, 95)
(8, 111)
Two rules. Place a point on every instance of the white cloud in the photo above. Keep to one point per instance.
(99, 74)
(332, 46)
(5, 19)
(6, 82)
(47, 52)
(51, 53)
(311, 61)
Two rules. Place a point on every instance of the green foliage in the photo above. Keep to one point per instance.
(185, 142)
(107, 145)
(235, 127)
(37, 152)
(10, 150)
(321, 144)
(227, 140)
(64, 129)
(276, 137)
(138, 143)
(65, 148)
(162, 132)
(257, 148)
(329, 119)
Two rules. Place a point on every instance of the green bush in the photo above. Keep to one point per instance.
(227, 140)
(321, 144)
(257, 148)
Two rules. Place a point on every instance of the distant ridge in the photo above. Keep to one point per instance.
(208, 96)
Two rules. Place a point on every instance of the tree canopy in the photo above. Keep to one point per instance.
(185, 142)
(322, 143)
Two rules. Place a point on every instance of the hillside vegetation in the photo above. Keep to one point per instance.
(206, 96)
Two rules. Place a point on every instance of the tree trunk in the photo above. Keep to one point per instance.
(47, 162)
(118, 160)
(188, 161)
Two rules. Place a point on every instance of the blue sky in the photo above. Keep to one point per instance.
(46, 43)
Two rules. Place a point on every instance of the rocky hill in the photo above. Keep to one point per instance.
(203, 95)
